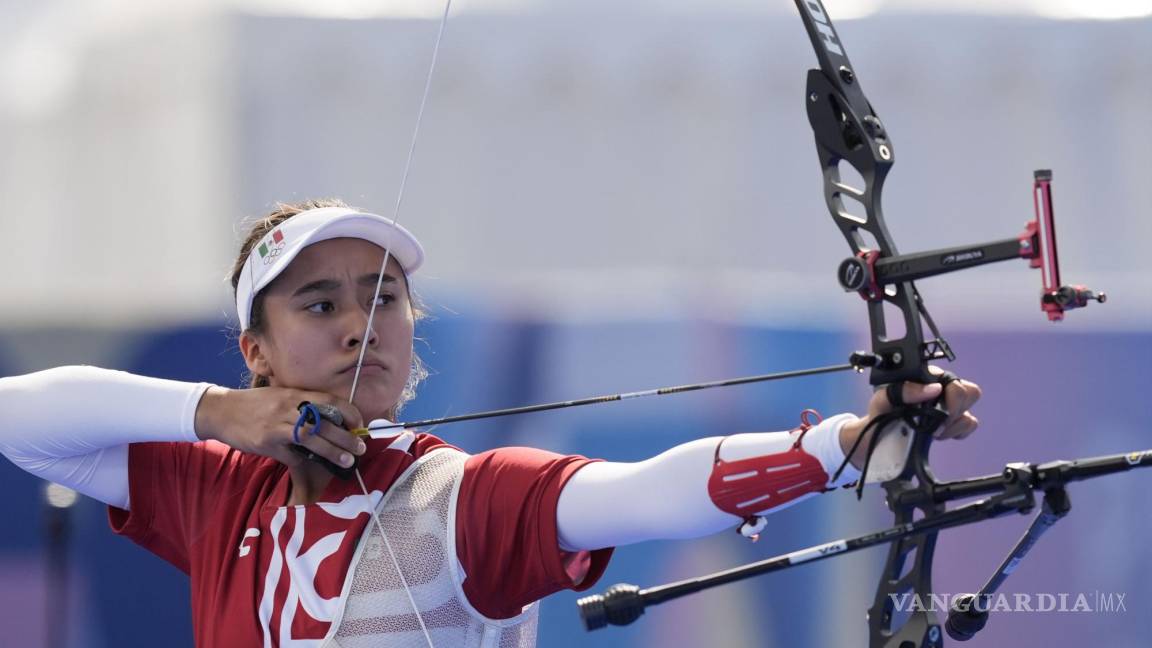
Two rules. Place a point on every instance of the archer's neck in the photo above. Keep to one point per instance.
(307, 482)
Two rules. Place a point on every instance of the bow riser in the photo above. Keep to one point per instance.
(847, 130)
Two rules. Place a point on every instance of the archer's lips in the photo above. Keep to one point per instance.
(369, 368)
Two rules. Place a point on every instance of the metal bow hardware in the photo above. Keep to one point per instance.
(848, 131)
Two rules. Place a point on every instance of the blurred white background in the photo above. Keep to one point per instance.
(614, 195)
(653, 154)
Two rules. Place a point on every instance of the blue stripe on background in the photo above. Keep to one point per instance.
(1048, 396)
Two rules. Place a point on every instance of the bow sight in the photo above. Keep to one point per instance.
(847, 130)
(868, 272)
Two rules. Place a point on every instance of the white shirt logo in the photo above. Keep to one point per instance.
(302, 568)
(245, 548)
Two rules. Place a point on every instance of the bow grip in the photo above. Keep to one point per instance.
(890, 456)
(926, 416)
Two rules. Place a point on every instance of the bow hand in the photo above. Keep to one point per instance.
(952, 398)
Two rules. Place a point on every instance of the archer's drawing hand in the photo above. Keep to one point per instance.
(261, 420)
(959, 397)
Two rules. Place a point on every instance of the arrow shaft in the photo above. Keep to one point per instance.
(594, 400)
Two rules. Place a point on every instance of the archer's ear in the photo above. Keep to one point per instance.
(252, 348)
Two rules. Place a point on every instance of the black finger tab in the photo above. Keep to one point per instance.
(947, 378)
(895, 393)
(327, 412)
(332, 415)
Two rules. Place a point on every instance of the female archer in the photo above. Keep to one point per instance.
(421, 544)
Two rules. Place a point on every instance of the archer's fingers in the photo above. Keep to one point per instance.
(959, 397)
(910, 393)
(287, 457)
(325, 448)
(918, 393)
(352, 417)
(341, 438)
(961, 428)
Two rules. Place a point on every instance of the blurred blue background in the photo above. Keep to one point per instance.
(614, 196)
(1060, 395)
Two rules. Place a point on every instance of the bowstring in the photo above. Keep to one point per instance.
(376, 298)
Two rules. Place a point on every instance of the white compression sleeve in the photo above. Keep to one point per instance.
(608, 504)
(72, 425)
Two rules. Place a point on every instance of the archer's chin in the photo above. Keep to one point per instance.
(374, 399)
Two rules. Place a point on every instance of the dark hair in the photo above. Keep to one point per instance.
(258, 229)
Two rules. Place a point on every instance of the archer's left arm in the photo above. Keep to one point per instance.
(959, 397)
(710, 485)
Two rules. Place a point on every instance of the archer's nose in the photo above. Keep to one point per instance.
(357, 328)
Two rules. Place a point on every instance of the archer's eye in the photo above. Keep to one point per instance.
(384, 299)
(321, 307)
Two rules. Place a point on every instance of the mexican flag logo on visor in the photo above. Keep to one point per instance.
(271, 247)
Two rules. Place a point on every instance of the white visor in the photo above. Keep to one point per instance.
(276, 250)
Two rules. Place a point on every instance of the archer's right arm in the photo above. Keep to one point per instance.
(73, 425)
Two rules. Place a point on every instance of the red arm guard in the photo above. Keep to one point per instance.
(769, 481)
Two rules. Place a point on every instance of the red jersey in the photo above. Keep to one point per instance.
(219, 515)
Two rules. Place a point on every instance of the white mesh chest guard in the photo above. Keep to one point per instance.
(419, 514)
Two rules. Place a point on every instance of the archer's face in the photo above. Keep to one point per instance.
(315, 315)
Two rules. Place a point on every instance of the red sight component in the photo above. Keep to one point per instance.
(1038, 244)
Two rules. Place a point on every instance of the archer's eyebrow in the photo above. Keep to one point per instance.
(328, 285)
